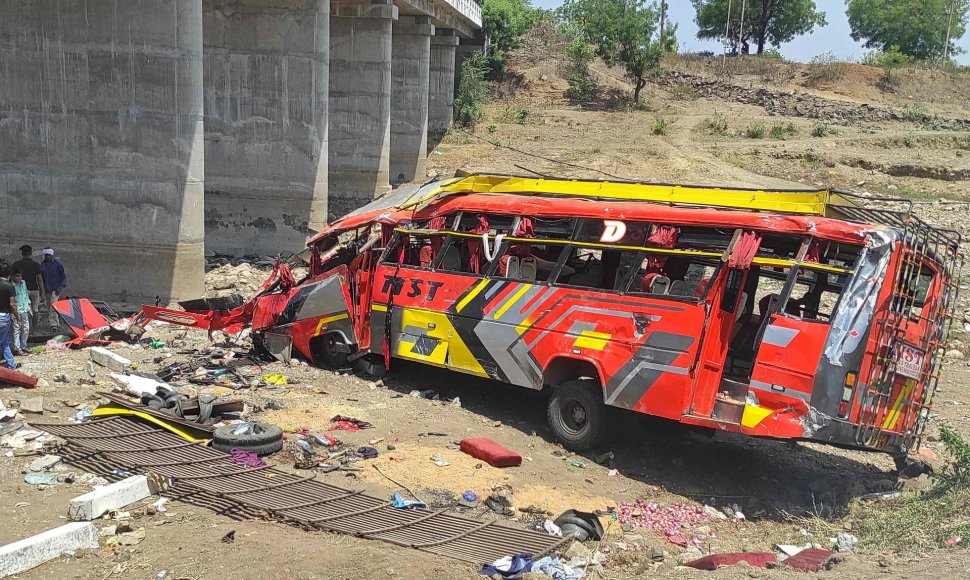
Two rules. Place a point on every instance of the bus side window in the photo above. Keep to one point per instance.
(417, 250)
(595, 268)
(679, 276)
(535, 260)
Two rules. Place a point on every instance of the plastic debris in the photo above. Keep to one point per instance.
(551, 528)
(403, 504)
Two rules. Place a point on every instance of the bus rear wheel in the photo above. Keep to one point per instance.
(577, 415)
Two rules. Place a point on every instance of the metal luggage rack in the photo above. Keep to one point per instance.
(904, 220)
(207, 477)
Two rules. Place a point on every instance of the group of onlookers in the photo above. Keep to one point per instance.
(25, 286)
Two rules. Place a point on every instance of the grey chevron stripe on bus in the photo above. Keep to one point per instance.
(654, 358)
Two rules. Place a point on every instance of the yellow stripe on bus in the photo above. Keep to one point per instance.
(592, 339)
(511, 301)
(329, 319)
(893, 416)
(471, 295)
(813, 202)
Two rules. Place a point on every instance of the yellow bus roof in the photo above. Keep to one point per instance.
(797, 201)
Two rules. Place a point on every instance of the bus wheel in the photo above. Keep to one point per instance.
(330, 350)
(576, 414)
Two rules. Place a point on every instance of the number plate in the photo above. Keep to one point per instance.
(909, 360)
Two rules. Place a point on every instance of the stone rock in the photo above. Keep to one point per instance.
(32, 405)
(845, 542)
(954, 354)
(577, 550)
(44, 463)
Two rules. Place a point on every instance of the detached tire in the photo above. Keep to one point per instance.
(264, 440)
(577, 415)
(326, 352)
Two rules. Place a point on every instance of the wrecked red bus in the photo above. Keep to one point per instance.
(796, 314)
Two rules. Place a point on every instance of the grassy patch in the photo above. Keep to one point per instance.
(822, 130)
(756, 131)
(660, 127)
(783, 131)
(915, 113)
(825, 70)
(684, 92)
(917, 522)
(716, 124)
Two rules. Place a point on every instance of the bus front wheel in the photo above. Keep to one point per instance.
(330, 350)
(577, 415)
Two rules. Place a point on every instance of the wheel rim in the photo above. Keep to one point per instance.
(573, 416)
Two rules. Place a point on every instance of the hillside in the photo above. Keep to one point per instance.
(776, 124)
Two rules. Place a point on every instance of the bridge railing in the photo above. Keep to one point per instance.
(470, 9)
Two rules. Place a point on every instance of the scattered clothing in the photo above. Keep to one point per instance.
(556, 569)
(341, 423)
(246, 458)
(366, 452)
(405, 504)
(513, 567)
(510, 567)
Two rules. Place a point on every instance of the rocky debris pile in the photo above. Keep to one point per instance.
(791, 104)
(225, 276)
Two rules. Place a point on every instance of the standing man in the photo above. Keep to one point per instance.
(55, 281)
(23, 312)
(30, 270)
(8, 306)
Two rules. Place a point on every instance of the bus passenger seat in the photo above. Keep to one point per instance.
(660, 285)
(511, 267)
(678, 288)
(452, 260)
(528, 269)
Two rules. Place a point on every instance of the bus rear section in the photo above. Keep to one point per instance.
(887, 402)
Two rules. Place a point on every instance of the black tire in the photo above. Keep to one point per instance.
(265, 440)
(577, 415)
(325, 351)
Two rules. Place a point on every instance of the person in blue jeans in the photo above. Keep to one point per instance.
(23, 312)
(8, 320)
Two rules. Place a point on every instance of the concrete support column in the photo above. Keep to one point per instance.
(410, 73)
(441, 88)
(360, 102)
(101, 142)
(266, 94)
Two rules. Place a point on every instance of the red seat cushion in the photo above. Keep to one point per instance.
(490, 452)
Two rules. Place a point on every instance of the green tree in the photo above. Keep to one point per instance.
(765, 21)
(473, 91)
(504, 22)
(918, 28)
(622, 31)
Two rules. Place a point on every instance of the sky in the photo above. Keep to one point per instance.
(835, 37)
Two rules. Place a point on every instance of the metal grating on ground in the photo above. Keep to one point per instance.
(306, 501)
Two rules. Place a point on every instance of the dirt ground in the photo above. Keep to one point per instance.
(790, 492)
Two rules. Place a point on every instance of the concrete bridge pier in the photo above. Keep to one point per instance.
(101, 142)
(441, 88)
(360, 102)
(410, 73)
(266, 94)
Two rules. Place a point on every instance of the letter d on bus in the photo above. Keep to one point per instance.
(613, 231)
